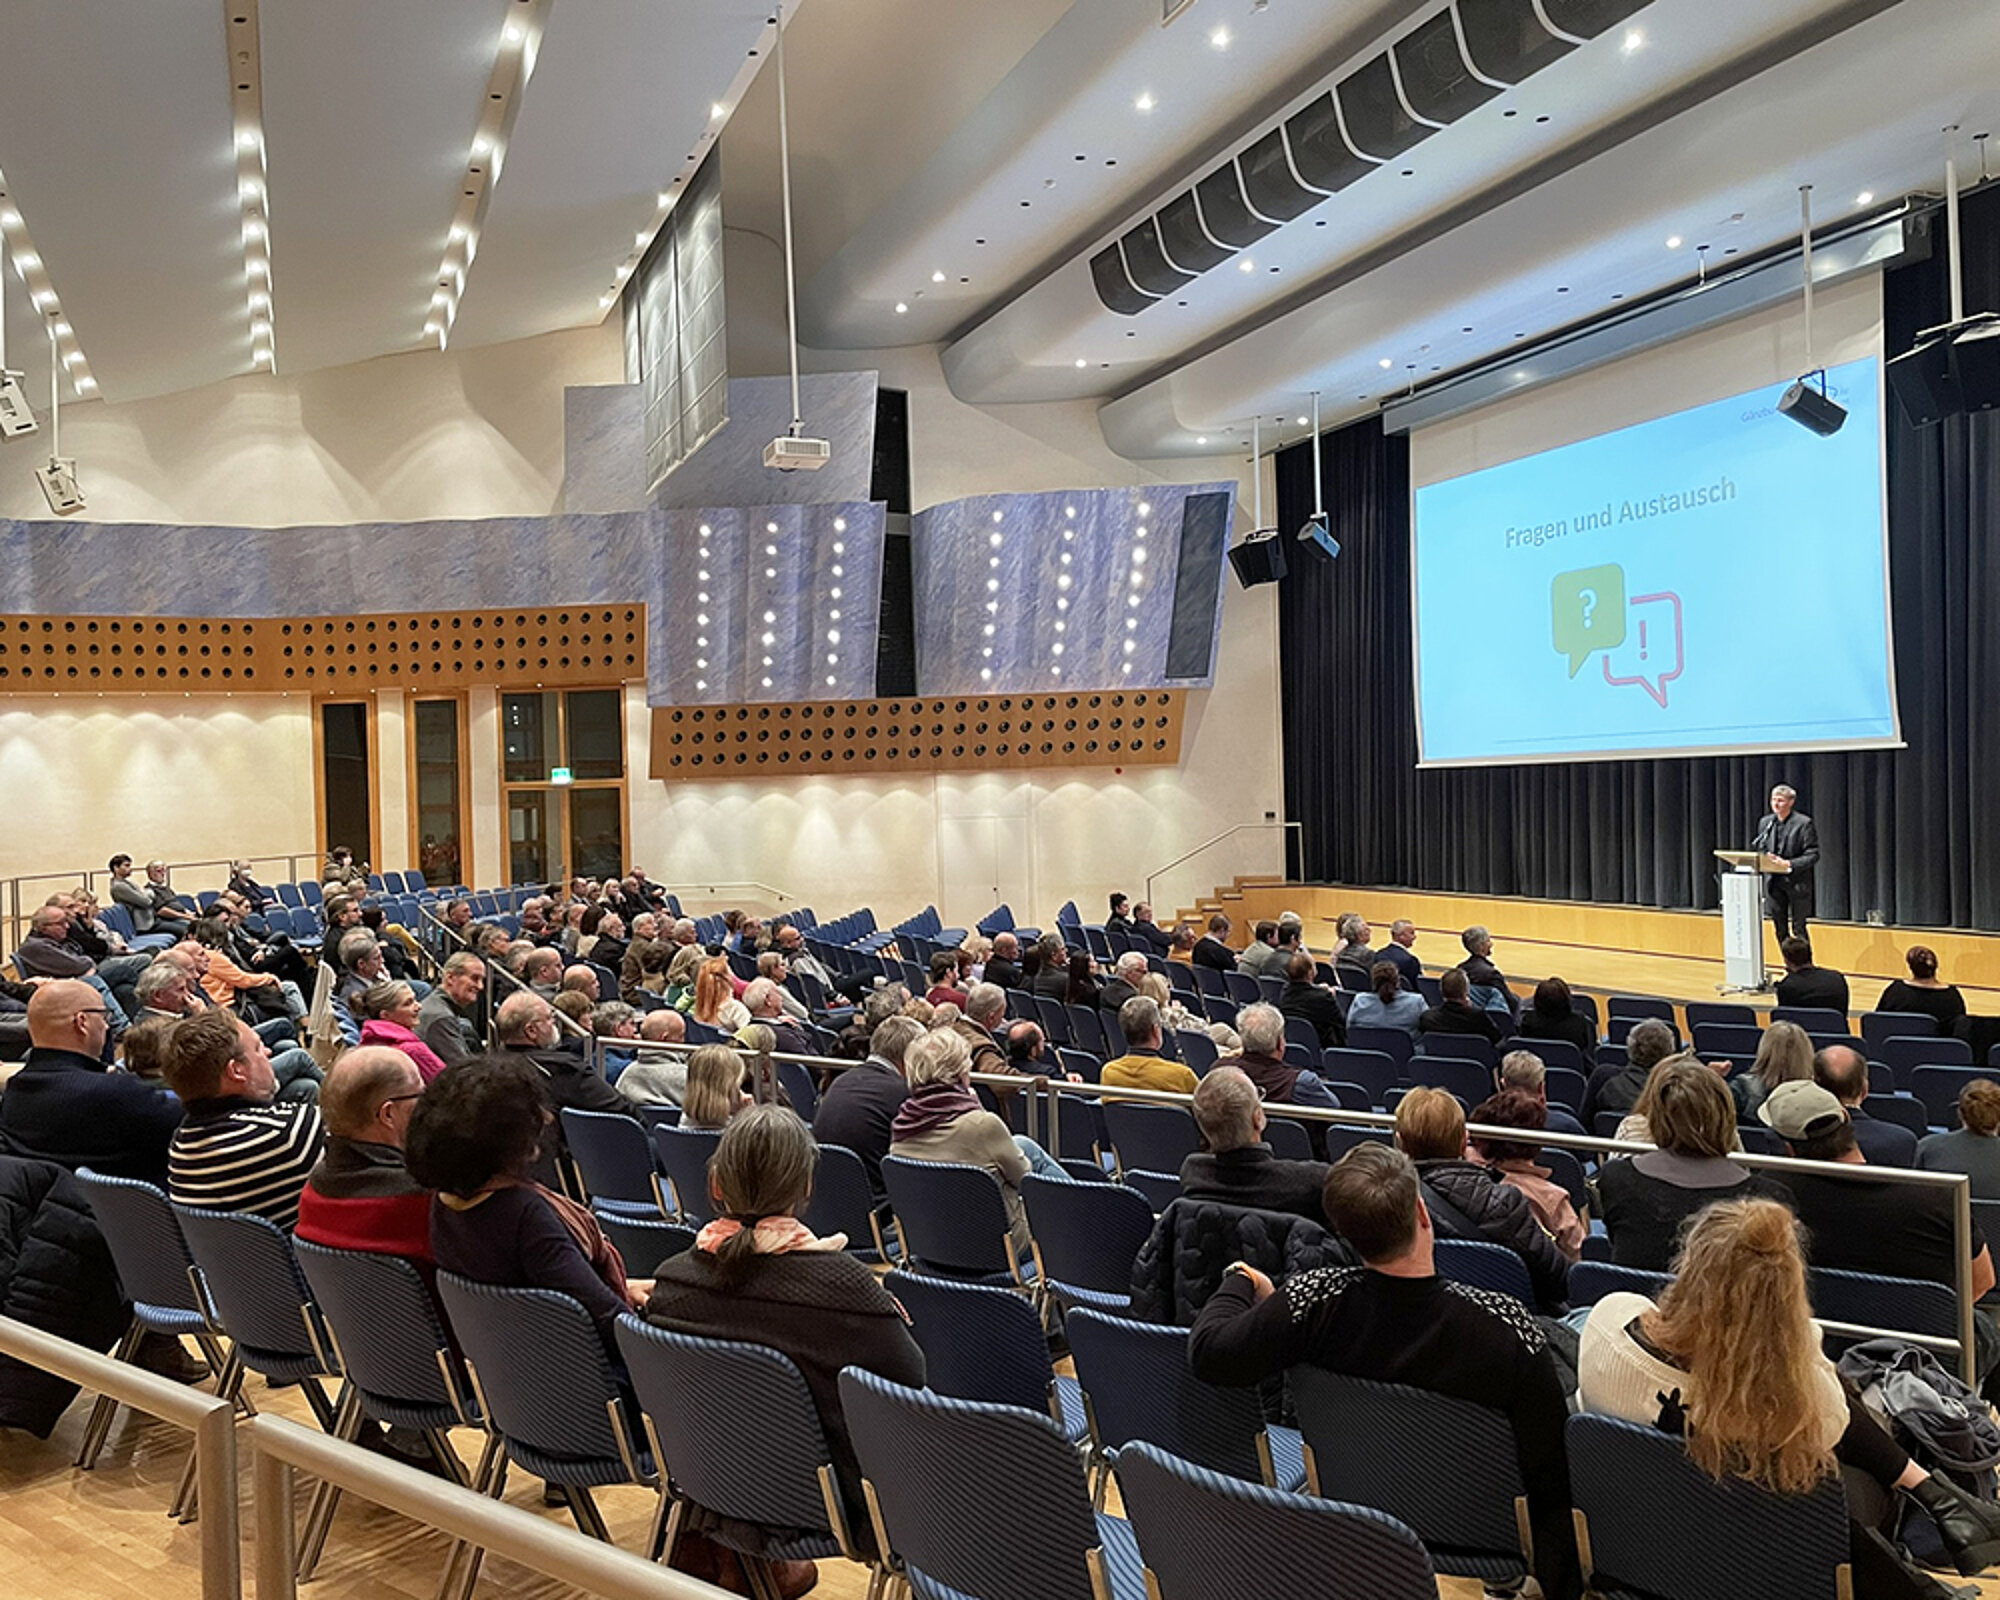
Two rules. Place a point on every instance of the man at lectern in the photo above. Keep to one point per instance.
(1788, 833)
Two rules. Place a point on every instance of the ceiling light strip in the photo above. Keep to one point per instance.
(513, 65)
(26, 260)
(253, 189)
(719, 113)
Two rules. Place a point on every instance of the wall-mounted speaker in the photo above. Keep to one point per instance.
(1259, 559)
(1921, 379)
(1975, 365)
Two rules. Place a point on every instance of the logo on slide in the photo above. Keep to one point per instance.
(1590, 612)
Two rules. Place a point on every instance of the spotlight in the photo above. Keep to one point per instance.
(1260, 558)
(59, 485)
(1315, 533)
(1813, 408)
(16, 415)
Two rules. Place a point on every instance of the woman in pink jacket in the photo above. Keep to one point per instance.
(389, 1016)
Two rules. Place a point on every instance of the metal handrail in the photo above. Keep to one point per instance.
(280, 1448)
(710, 890)
(208, 1417)
(564, 1023)
(1227, 833)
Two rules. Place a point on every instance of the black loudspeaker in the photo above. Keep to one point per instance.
(1975, 365)
(1807, 406)
(1921, 379)
(1259, 559)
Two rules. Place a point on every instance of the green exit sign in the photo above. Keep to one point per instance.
(559, 775)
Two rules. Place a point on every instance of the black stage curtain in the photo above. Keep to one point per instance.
(1900, 831)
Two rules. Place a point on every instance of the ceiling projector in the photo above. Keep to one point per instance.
(789, 454)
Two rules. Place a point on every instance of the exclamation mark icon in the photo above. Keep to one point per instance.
(1642, 638)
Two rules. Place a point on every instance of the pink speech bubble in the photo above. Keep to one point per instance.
(1658, 642)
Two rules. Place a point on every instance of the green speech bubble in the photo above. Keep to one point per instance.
(1589, 611)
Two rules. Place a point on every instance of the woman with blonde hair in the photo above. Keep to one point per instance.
(1784, 1055)
(714, 1087)
(1730, 1358)
(1173, 1015)
(681, 974)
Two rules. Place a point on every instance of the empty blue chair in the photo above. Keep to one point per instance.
(643, 1242)
(1340, 1140)
(1470, 1079)
(1203, 1534)
(1242, 988)
(1298, 1031)
(1086, 1031)
(1484, 1265)
(843, 1202)
(1394, 1043)
(930, 1464)
(1906, 1111)
(617, 1162)
(797, 1081)
(1085, 1065)
(392, 883)
(1564, 1168)
(1198, 1050)
(1375, 1071)
(1452, 1046)
(1634, 1007)
(1553, 1052)
(1591, 1281)
(1938, 1089)
(1903, 1056)
(1877, 1026)
(311, 894)
(1566, 1089)
(1208, 980)
(1452, 1475)
(1650, 1522)
(734, 1431)
(983, 1343)
(1156, 1137)
(952, 1219)
(1161, 1189)
(1289, 1140)
(1728, 1041)
(1726, 1012)
(1908, 1305)
(1137, 1386)
(1086, 1237)
(685, 1153)
(1814, 1019)
(288, 894)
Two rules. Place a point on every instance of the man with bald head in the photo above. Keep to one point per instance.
(525, 1025)
(66, 1106)
(658, 1078)
(360, 1196)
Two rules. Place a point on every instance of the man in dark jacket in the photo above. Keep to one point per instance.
(1237, 1167)
(1617, 1088)
(65, 1106)
(1312, 1002)
(859, 1106)
(1396, 1321)
(1003, 967)
(525, 1025)
(1489, 985)
(1123, 984)
(1120, 918)
(1212, 950)
(1805, 984)
(1455, 1012)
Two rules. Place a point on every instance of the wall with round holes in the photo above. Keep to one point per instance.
(957, 733)
(563, 645)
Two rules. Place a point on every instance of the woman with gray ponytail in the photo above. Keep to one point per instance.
(759, 1275)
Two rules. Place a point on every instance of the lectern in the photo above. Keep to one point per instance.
(1743, 873)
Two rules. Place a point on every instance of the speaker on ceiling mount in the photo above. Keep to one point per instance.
(1260, 558)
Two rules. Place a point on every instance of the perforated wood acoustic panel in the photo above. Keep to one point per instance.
(955, 734)
(563, 645)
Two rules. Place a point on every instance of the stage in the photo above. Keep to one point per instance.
(1605, 950)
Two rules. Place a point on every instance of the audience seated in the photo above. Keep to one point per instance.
(1118, 919)
(1973, 1147)
(657, 1078)
(703, 1002)
(1922, 991)
(1551, 1014)
(1311, 1001)
(1235, 1166)
(363, 964)
(715, 1090)
(758, 1275)
(1523, 1069)
(1143, 1066)
(389, 1014)
(1514, 1162)
(525, 1025)
(237, 1148)
(1387, 1004)
(1490, 990)
(451, 1018)
(1080, 985)
(985, 1012)
(1401, 953)
(1050, 978)
(360, 1195)
(1212, 949)
(1897, 1230)
(1730, 1360)
(1263, 957)
(542, 971)
(942, 1120)
(1003, 966)
(1127, 972)
(762, 1000)
(614, 1020)
(1395, 1320)
(1469, 1200)
(1455, 1011)
(1646, 1198)
(476, 1138)
(68, 1107)
(49, 952)
(1784, 1055)
(342, 869)
(1262, 1029)
(1805, 984)
(858, 1107)
(1618, 1087)
(773, 965)
(944, 980)
(1842, 1071)
(1148, 932)
(1636, 1126)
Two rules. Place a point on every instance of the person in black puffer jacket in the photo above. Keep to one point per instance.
(1194, 1242)
(1430, 1129)
(56, 1275)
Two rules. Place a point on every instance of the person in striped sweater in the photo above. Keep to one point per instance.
(237, 1149)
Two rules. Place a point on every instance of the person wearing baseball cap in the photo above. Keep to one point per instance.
(1896, 1230)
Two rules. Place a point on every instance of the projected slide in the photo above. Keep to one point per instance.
(1715, 580)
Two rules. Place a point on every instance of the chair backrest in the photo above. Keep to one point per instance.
(1289, 1140)
(1463, 1075)
(613, 1154)
(952, 1216)
(1446, 1046)
(1485, 1265)
(933, 1461)
(797, 1081)
(1453, 1476)
(1202, 1534)
(1375, 1070)
(643, 1242)
(391, 1339)
(1814, 1019)
(842, 1201)
(1700, 1011)
(1565, 1169)
(1908, 1305)
(1081, 1062)
(1903, 1056)
(1661, 1526)
(540, 1367)
(1938, 1088)
(1242, 988)
(733, 1424)
(145, 1242)
(260, 1296)
(1591, 1281)
(1086, 1235)
(1197, 1050)
(1156, 1137)
(1552, 1052)
(1735, 1041)
(1208, 980)
(1086, 1031)
(1135, 1376)
(1636, 1006)
(1877, 1026)
(1161, 1189)
(1905, 1111)
(685, 1153)
(979, 1342)
(1566, 1088)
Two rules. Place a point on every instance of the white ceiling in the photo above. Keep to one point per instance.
(918, 128)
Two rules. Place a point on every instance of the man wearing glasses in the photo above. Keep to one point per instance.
(360, 1196)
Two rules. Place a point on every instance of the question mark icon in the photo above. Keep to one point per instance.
(1587, 598)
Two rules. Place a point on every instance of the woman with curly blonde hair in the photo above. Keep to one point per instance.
(1730, 1358)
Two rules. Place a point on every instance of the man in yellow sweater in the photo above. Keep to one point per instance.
(1142, 1066)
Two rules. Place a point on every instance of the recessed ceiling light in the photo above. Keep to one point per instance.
(901, 307)
(717, 111)
(1145, 102)
(1201, 438)
(1634, 40)
(513, 34)
(1865, 198)
(1673, 241)
(1385, 363)
(1219, 38)
(937, 277)
(1246, 266)
(1081, 362)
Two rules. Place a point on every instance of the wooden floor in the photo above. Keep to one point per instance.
(105, 1534)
